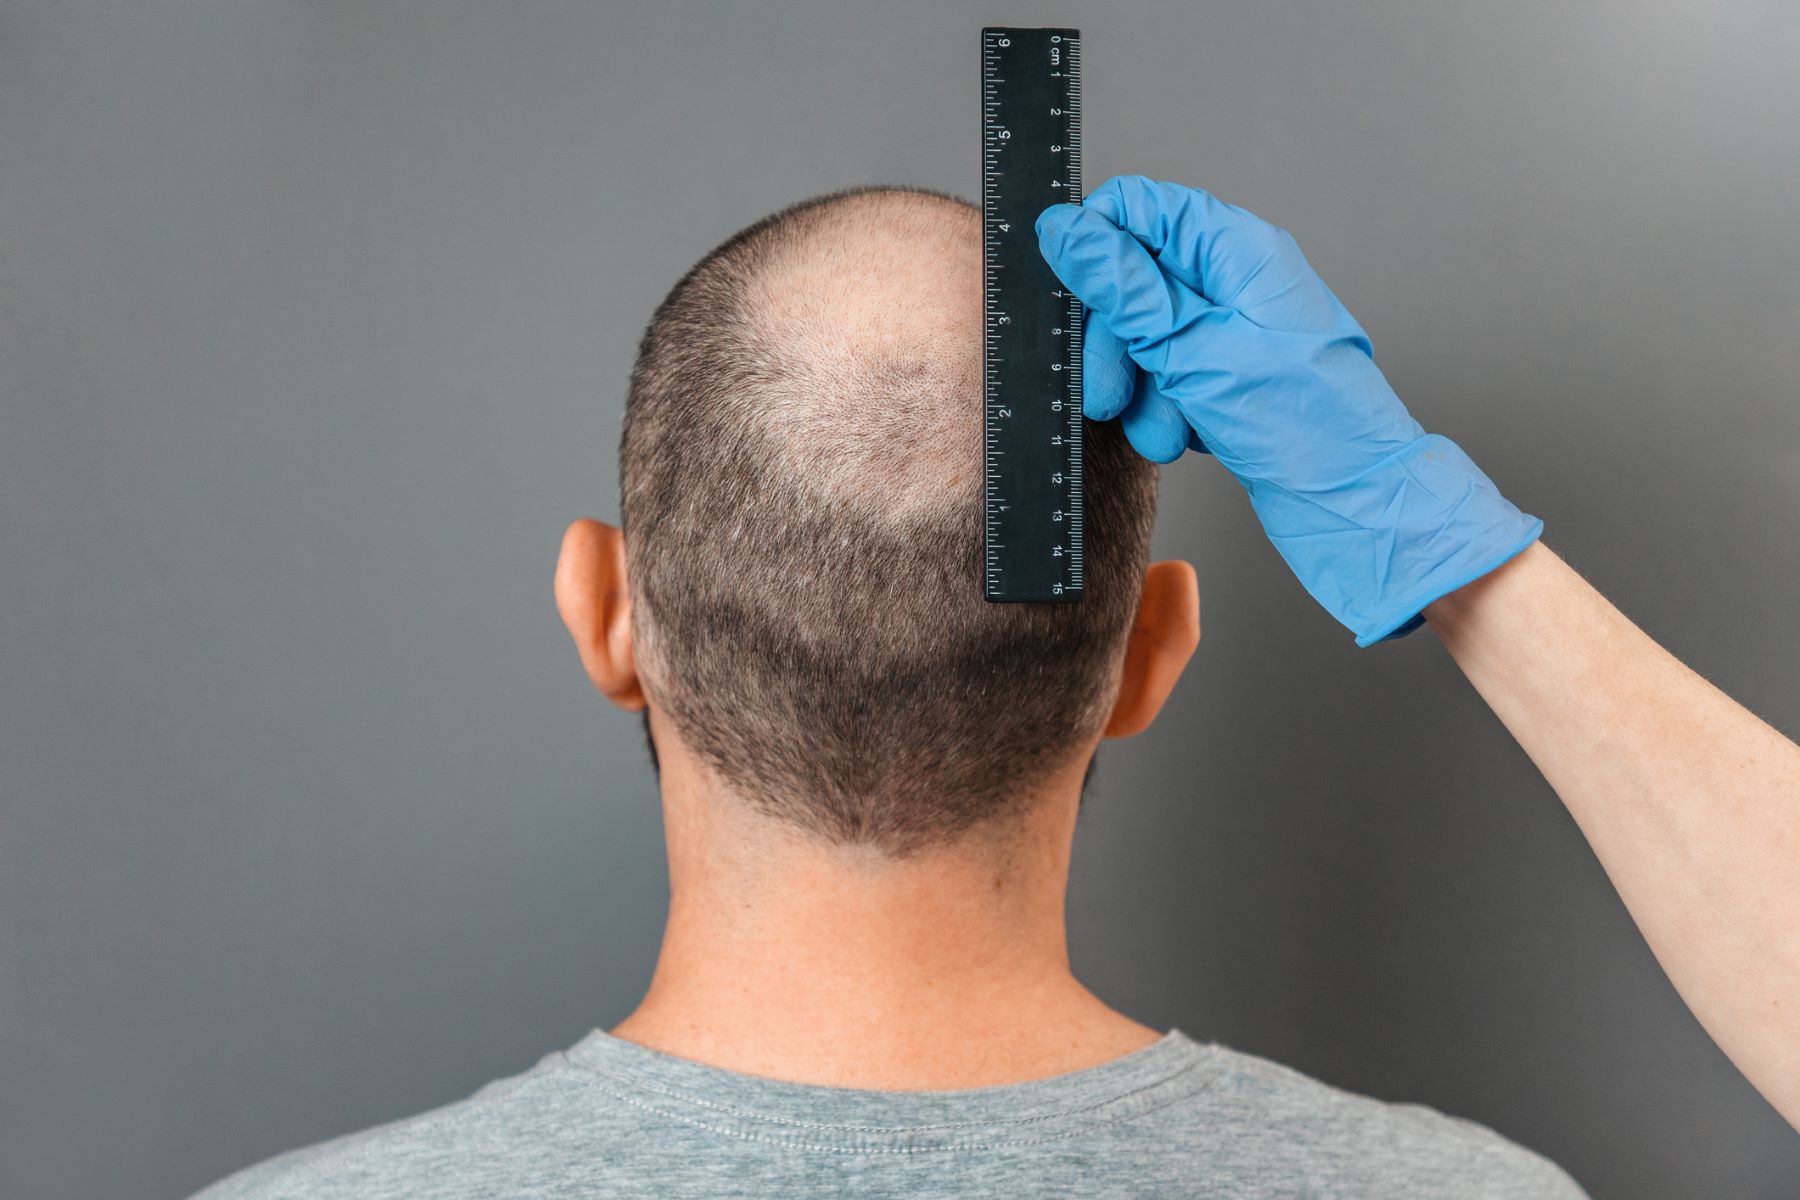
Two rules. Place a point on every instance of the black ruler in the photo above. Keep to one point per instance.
(1030, 159)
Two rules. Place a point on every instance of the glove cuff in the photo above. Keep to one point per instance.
(1416, 527)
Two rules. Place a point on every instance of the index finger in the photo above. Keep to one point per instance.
(1227, 254)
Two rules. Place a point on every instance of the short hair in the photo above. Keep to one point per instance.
(801, 499)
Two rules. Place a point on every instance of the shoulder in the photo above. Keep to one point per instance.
(440, 1152)
(1369, 1146)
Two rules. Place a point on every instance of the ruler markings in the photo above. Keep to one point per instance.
(1032, 424)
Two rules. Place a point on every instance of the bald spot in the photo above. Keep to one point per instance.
(870, 312)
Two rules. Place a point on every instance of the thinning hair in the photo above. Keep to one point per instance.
(801, 475)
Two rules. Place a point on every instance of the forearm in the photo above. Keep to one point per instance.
(1691, 803)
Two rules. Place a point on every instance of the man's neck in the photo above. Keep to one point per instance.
(794, 960)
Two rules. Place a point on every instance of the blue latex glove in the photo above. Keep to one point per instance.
(1240, 349)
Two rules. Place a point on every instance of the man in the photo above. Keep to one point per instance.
(870, 776)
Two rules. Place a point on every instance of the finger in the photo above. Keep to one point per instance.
(1116, 277)
(1107, 372)
(1194, 235)
(1226, 254)
(1111, 381)
(1145, 394)
(1153, 425)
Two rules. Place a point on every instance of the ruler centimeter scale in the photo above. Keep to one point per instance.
(1030, 159)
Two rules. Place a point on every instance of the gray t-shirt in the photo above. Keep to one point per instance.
(1177, 1118)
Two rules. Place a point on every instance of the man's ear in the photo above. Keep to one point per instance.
(596, 606)
(1163, 638)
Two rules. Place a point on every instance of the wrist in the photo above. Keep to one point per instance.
(1446, 526)
(1505, 587)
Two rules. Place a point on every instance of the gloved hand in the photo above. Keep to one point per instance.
(1241, 350)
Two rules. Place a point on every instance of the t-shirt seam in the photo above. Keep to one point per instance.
(750, 1114)
(743, 1135)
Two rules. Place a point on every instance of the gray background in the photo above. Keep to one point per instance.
(315, 320)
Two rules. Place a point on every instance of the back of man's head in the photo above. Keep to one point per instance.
(801, 477)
